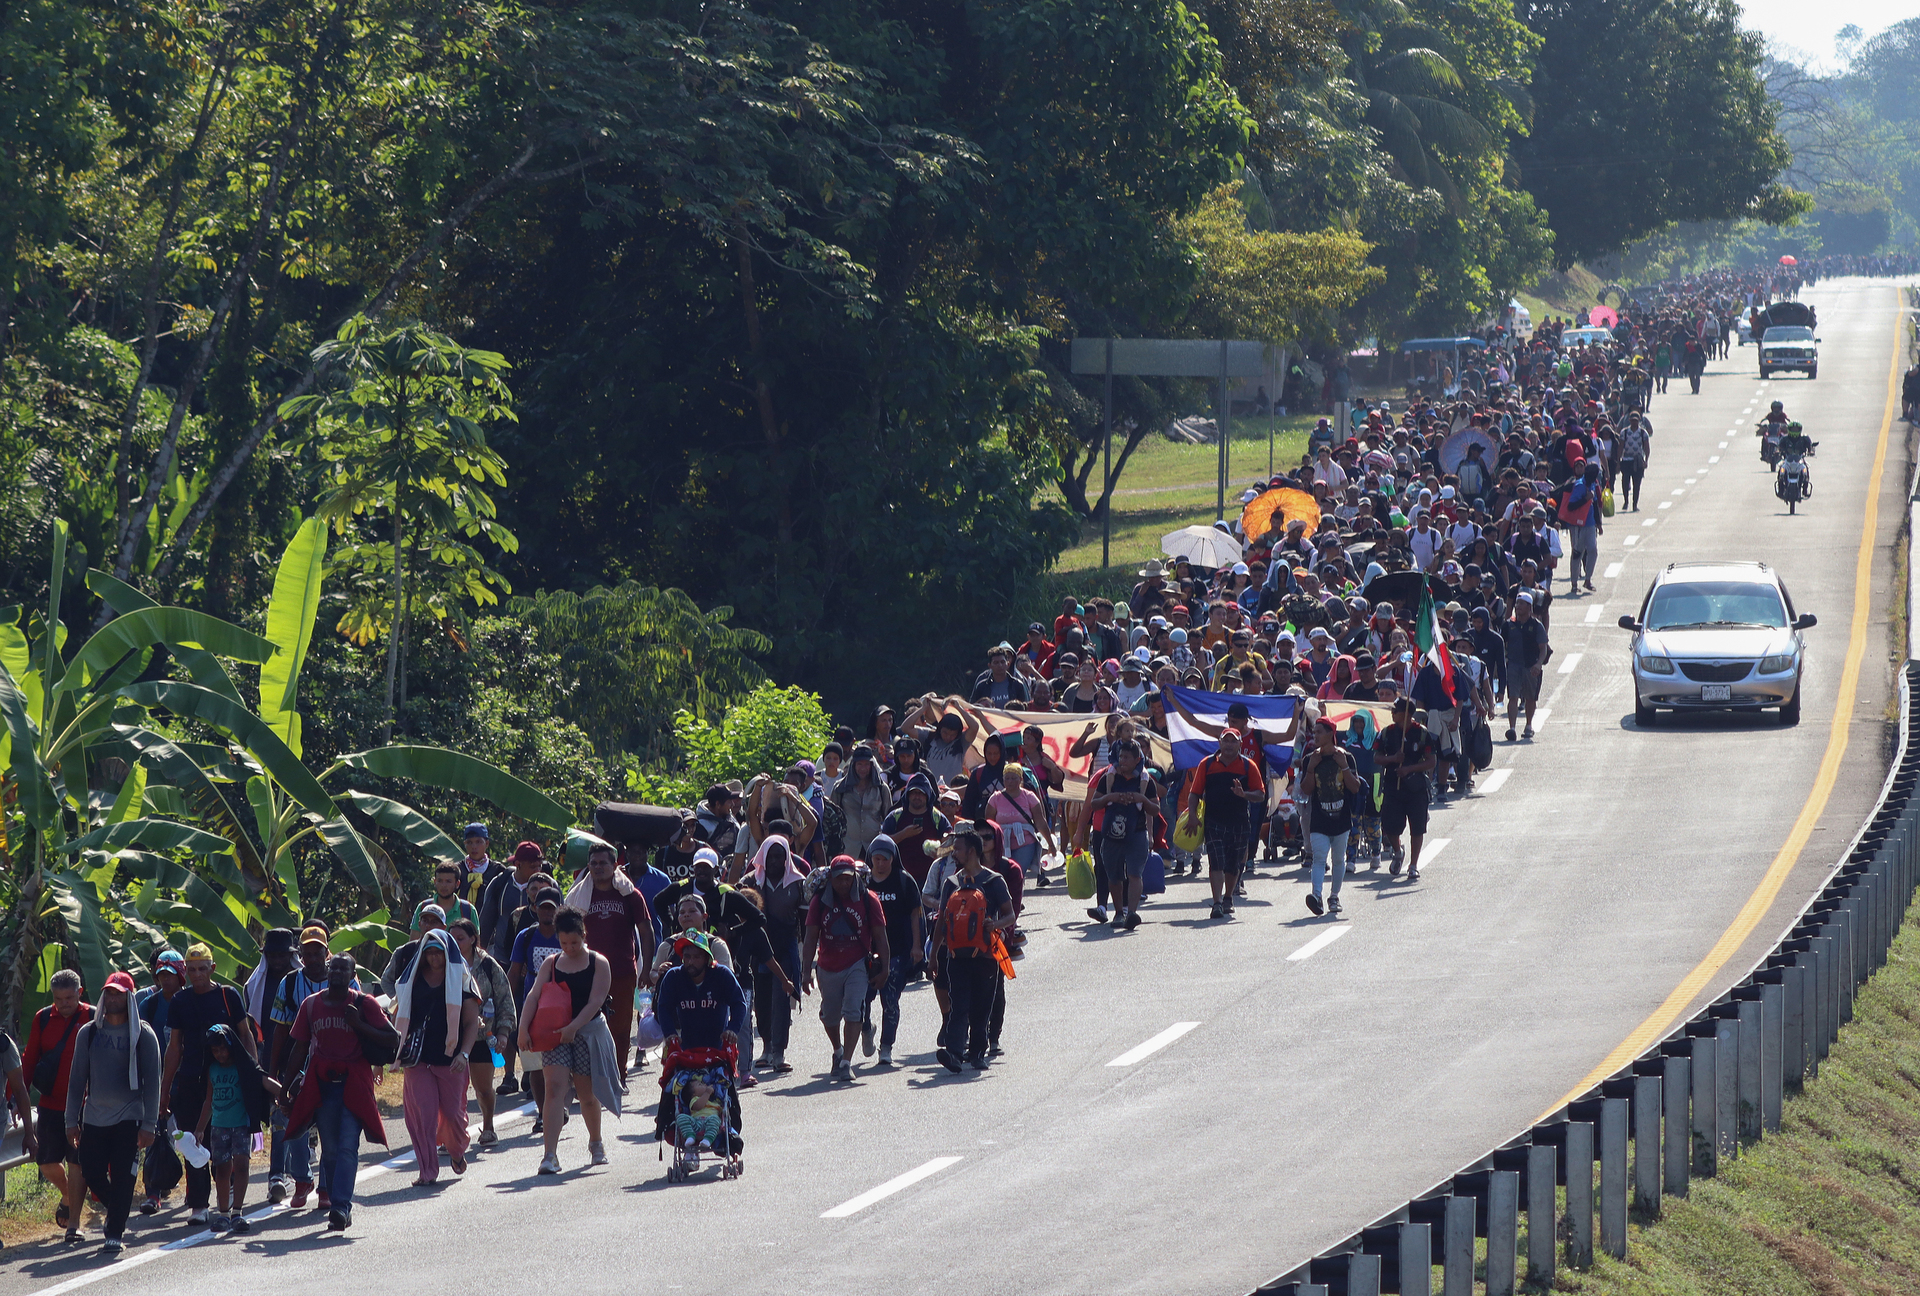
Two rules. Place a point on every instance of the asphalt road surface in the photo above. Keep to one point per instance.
(1309, 1074)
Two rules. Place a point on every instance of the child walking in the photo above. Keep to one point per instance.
(238, 1101)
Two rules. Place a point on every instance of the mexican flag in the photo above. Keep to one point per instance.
(1432, 637)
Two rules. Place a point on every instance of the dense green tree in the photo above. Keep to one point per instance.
(1648, 112)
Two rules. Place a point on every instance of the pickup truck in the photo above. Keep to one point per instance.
(1786, 339)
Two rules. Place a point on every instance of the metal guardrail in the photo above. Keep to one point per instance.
(13, 1160)
(1688, 1103)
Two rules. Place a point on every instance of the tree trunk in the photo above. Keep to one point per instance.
(23, 975)
(393, 635)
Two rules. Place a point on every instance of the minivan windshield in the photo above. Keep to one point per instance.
(1703, 605)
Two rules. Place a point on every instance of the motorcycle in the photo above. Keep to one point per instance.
(1769, 434)
(1793, 480)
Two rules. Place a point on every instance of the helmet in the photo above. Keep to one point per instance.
(1777, 405)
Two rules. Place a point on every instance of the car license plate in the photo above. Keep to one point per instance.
(1716, 692)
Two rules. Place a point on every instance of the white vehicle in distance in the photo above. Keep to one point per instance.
(1717, 636)
(1789, 346)
(1592, 335)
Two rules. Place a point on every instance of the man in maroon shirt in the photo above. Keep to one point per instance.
(620, 927)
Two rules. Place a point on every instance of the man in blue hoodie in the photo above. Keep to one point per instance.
(698, 1004)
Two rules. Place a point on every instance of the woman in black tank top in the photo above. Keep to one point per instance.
(588, 978)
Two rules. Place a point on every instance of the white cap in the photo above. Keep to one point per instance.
(1446, 492)
(1239, 569)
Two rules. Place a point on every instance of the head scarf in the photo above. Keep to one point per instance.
(796, 871)
(1343, 673)
(453, 985)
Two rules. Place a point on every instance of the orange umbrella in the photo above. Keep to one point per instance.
(1290, 502)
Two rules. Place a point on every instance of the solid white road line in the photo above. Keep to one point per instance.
(1154, 1045)
(1494, 780)
(1594, 612)
(1318, 943)
(889, 1188)
(1573, 659)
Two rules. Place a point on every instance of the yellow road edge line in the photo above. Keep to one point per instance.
(1761, 900)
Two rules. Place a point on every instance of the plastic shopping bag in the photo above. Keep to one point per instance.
(1080, 876)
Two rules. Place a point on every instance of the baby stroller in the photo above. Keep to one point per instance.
(680, 1066)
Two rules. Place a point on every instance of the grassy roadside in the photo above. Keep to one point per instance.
(1831, 1205)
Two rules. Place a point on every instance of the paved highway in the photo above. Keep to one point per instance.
(1194, 1107)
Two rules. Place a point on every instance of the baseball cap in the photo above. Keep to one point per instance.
(708, 854)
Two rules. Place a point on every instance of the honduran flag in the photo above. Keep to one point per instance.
(1192, 744)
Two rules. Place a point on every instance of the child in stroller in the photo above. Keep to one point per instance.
(699, 1112)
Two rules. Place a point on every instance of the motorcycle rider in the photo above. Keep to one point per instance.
(1795, 446)
(1769, 430)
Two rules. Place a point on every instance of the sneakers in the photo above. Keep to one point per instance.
(1218, 911)
(549, 1166)
(322, 1201)
(539, 1125)
(978, 1061)
(1119, 917)
(1527, 732)
(1097, 913)
(843, 1069)
(112, 1247)
(1313, 903)
(1413, 874)
(301, 1190)
(1510, 737)
(1333, 905)
(198, 1217)
(277, 1189)
(886, 1055)
(1399, 858)
(150, 1206)
(597, 1151)
(948, 1059)
(241, 1224)
(511, 1085)
(866, 1040)
(337, 1221)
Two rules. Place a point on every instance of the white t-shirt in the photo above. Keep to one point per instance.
(1425, 545)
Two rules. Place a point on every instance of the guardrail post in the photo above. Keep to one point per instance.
(1646, 1144)
(1613, 1177)
(1579, 1152)
(1677, 1145)
(1456, 1272)
(1363, 1275)
(1726, 1077)
(1751, 1045)
(1543, 1165)
(1503, 1231)
(1416, 1260)
(1773, 999)
(1827, 1025)
(1809, 965)
(1793, 1041)
(1706, 1108)
(1845, 931)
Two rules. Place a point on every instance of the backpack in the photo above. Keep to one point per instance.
(965, 915)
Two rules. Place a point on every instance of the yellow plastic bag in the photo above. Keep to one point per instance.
(1080, 876)
(1189, 833)
(1606, 502)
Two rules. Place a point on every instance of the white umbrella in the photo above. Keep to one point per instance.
(1203, 546)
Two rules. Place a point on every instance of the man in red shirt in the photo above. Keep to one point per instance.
(1069, 618)
(51, 1037)
(847, 937)
(1227, 781)
(620, 927)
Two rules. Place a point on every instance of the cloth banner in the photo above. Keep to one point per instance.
(1059, 730)
(1268, 713)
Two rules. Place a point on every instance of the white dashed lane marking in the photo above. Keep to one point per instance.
(1154, 1045)
(1324, 939)
(889, 1188)
(1573, 659)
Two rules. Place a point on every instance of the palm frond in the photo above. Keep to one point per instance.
(1449, 128)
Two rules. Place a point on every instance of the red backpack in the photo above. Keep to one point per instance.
(966, 917)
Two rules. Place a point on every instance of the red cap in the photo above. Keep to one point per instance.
(120, 981)
(1235, 734)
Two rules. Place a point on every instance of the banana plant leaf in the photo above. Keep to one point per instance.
(290, 615)
(149, 627)
(154, 834)
(202, 666)
(419, 831)
(438, 767)
(38, 799)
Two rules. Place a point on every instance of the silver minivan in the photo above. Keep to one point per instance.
(1717, 636)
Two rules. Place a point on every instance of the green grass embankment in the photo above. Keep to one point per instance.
(1828, 1207)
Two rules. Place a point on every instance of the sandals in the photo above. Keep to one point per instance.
(459, 1165)
(61, 1214)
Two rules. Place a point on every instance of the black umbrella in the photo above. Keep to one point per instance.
(1402, 589)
